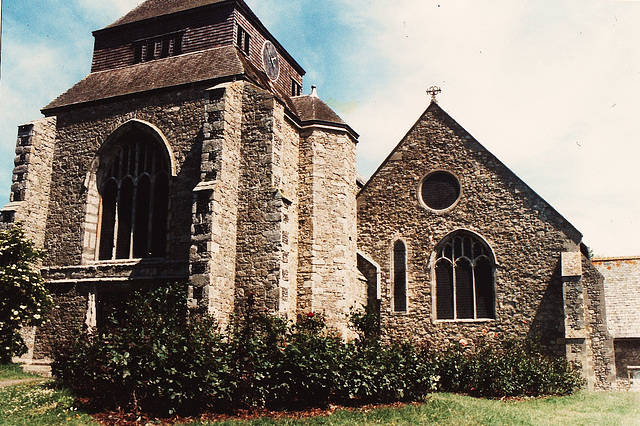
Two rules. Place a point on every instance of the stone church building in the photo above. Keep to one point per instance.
(189, 153)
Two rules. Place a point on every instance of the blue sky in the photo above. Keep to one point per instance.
(552, 88)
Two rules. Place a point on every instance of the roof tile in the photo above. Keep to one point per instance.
(162, 73)
(154, 8)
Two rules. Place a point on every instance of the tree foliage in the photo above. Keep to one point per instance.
(24, 299)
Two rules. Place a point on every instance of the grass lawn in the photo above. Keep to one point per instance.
(14, 372)
(41, 403)
(585, 408)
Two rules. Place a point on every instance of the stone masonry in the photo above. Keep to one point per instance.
(621, 287)
(30, 190)
(525, 234)
(259, 200)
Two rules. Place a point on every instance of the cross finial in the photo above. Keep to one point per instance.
(433, 91)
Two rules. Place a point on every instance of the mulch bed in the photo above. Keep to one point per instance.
(121, 418)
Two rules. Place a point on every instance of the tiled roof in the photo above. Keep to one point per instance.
(622, 294)
(312, 108)
(154, 8)
(162, 73)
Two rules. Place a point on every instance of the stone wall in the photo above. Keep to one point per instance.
(68, 317)
(30, 189)
(215, 203)
(72, 271)
(286, 178)
(621, 282)
(525, 234)
(622, 278)
(81, 131)
(601, 354)
(327, 268)
(259, 247)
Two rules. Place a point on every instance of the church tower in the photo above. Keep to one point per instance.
(190, 154)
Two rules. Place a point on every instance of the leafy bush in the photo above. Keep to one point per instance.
(24, 299)
(503, 367)
(162, 358)
(154, 356)
(511, 367)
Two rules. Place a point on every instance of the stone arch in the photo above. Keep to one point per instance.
(151, 164)
(143, 127)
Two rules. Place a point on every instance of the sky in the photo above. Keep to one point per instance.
(552, 88)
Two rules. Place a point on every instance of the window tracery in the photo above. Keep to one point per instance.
(133, 183)
(464, 278)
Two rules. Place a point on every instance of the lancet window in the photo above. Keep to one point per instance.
(399, 277)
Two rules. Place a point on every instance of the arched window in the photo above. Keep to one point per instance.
(133, 182)
(399, 277)
(464, 280)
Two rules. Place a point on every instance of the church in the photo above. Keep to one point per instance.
(190, 153)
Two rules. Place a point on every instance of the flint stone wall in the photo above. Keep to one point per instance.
(525, 234)
(81, 131)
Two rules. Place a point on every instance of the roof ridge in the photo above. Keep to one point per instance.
(155, 8)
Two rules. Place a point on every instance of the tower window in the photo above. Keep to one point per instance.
(158, 47)
(296, 88)
(134, 187)
(464, 280)
(243, 39)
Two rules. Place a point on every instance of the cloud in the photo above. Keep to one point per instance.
(106, 12)
(550, 87)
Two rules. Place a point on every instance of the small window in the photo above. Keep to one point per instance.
(150, 54)
(137, 53)
(440, 190)
(176, 45)
(7, 216)
(296, 88)
(243, 39)
(464, 281)
(156, 48)
(399, 277)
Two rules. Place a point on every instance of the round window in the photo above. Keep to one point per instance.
(440, 190)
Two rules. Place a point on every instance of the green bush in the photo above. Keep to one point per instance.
(511, 367)
(153, 356)
(157, 356)
(24, 299)
(503, 367)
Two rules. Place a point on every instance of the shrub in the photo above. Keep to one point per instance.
(503, 367)
(24, 299)
(308, 364)
(153, 356)
(158, 357)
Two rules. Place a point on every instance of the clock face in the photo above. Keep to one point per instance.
(270, 60)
